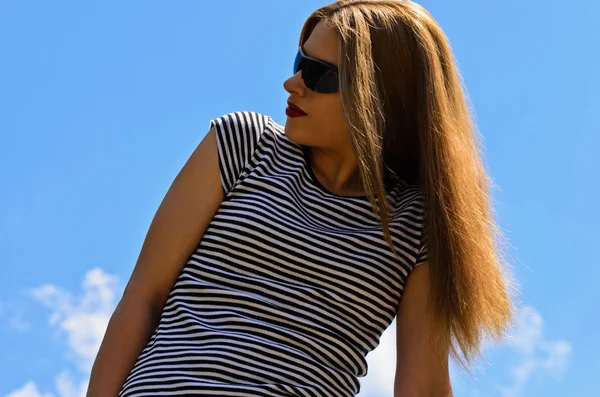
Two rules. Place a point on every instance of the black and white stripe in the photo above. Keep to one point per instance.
(289, 288)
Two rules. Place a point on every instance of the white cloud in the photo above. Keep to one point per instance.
(382, 367)
(29, 389)
(65, 387)
(82, 320)
(537, 355)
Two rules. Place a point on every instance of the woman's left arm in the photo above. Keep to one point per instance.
(421, 371)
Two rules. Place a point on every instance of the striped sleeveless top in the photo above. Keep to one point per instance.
(290, 286)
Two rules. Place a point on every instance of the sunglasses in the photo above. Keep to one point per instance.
(318, 76)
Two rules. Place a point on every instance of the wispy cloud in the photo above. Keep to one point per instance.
(82, 321)
(19, 323)
(537, 354)
(29, 389)
(64, 383)
(15, 316)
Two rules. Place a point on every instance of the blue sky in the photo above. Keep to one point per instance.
(101, 104)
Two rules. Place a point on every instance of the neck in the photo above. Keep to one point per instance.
(337, 173)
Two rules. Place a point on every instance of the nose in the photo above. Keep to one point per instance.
(295, 84)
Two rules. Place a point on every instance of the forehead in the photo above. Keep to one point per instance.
(322, 44)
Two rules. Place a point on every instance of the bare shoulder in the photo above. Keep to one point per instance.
(178, 225)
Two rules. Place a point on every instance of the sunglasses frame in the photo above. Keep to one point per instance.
(321, 77)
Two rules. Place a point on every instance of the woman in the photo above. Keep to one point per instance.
(272, 267)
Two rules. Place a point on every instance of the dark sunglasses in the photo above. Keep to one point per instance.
(318, 76)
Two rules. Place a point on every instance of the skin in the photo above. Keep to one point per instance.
(324, 129)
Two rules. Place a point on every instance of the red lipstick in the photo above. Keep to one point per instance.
(294, 111)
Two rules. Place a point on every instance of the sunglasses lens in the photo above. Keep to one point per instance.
(317, 76)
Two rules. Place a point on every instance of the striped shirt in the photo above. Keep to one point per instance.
(289, 287)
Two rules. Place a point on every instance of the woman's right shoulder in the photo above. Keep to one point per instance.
(242, 122)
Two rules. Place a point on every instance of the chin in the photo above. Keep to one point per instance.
(289, 133)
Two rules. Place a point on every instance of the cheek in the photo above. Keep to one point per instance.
(329, 110)
(333, 120)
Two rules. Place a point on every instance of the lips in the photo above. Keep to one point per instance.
(295, 108)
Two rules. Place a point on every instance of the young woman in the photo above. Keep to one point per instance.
(280, 254)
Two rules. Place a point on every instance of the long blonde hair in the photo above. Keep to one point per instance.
(408, 118)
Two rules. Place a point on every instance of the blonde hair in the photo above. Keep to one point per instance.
(408, 118)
